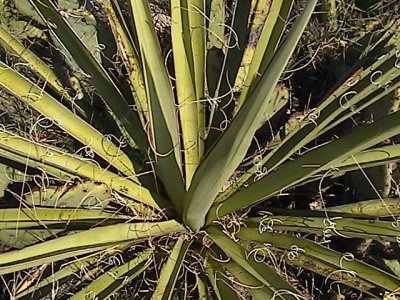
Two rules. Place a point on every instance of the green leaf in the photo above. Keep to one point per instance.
(170, 270)
(262, 272)
(55, 161)
(266, 46)
(349, 98)
(231, 148)
(339, 226)
(20, 238)
(163, 122)
(40, 216)
(196, 11)
(185, 86)
(309, 164)
(374, 155)
(129, 54)
(44, 103)
(315, 265)
(223, 64)
(346, 263)
(256, 288)
(116, 278)
(83, 242)
(6, 154)
(271, 119)
(97, 74)
(88, 194)
(27, 226)
(222, 287)
(372, 208)
(373, 103)
(202, 288)
(44, 286)
(25, 54)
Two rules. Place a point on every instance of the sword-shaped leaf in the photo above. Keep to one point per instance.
(339, 226)
(363, 88)
(256, 288)
(129, 54)
(266, 46)
(185, 84)
(221, 285)
(300, 245)
(170, 270)
(372, 208)
(109, 92)
(44, 103)
(43, 287)
(114, 279)
(82, 243)
(231, 148)
(163, 127)
(54, 160)
(309, 164)
(258, 270)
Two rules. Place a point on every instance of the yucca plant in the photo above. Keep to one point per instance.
(139, 176)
